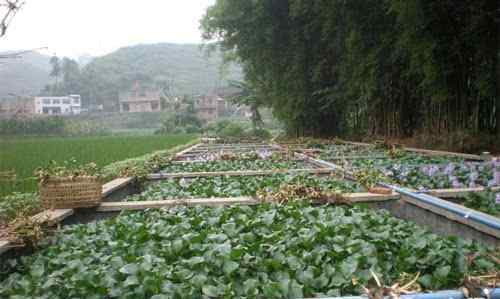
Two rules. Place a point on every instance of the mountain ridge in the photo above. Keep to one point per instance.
(183, 68)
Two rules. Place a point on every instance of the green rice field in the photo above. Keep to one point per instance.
(23, 155)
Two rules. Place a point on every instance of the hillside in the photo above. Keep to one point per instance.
(185, 68)
(26, 75)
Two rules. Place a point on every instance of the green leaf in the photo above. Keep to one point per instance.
(306, 276)
(268, 217)
(284, 283)
(442, 272)
(272, 290)
(129, 269)
(195, 260)
(296, 290)
(177, 246)
(199, 280)
(348, 267)
(131, 280)
(212, 291)
(293, 262)
(229, 267)
(425, 280)
(250, 287)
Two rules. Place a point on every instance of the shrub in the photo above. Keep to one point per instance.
(180, 124)
(143, 165)
(232, 130)
(32, 126)
(217, 126)
(85, 128)
(191, 129)
(262, 134)
(18, 204)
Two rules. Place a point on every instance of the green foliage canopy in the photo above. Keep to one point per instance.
(389, 67)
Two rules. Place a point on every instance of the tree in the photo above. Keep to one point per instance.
(367, 67)
(8, 9)
(247, 96)
(55, 72)
(71, 76)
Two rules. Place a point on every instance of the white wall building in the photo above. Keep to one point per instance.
(67, 105)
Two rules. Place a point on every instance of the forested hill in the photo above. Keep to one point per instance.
(394, 68)
(25, 75)
(185, 68)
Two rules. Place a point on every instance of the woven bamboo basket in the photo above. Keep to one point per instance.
(67, 193)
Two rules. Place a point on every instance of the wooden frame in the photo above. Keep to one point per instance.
(431, 152)
(143, 205)
(55, 216)
(162, 176)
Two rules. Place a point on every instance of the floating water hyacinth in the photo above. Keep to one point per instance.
(451, 174)
(264, 154)
(495, 162)
(430, 170)
(473, 176)
(388, 173)
(404, 174)
(184, 183)
(496, 179)
(449, 169)
(455, 183)
(206, 157)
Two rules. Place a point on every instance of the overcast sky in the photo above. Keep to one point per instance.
(97, 27)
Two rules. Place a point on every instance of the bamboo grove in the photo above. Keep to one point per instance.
(371, 67)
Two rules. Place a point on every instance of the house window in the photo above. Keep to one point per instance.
(76, 101)
(66, 101)
(56, 101)
(155, 106)
(126, 107)
(46, 101)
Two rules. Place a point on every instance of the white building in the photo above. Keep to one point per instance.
(58, 105)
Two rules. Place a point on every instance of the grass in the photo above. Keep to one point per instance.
(23, 155)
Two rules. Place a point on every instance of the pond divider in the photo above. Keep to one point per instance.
(432, 152)
(439, 215)
(163, 176)
(157, 204)
(403, 203)
(480, 221)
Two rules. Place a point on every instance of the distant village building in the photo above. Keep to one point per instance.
(209, 108)
(18, 106)
(68, 105)
(140, 101)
